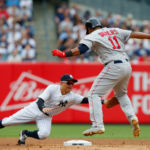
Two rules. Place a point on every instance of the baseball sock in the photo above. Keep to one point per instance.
(1, 126)
(33, 134)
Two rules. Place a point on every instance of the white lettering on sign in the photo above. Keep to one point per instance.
(136, 80)
(146, 81)
(26, 91)
(82, 90)
(141, 80)
(141, 102)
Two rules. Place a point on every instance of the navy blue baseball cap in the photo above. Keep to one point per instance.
(68, 77)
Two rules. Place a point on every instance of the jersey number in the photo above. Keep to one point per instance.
(116, 42)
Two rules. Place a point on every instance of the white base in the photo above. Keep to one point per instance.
(77, 143)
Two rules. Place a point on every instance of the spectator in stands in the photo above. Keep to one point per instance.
(59, 15)
(98, 15)
(28, 53)
(66, 23)
(15, 45)
(14, 57)
(3, 13)
(14, 35)
(26, 3)
(27, 38)
(2, 55)
(142, 51)
(3, 31)
(13, 10)
(110, 19)
(144, 58)
(129, 22)
(26, 11)
(4, 44)
(87, 15)
(63, 38)
(2, 3)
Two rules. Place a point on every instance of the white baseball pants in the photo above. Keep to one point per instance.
(31, 113)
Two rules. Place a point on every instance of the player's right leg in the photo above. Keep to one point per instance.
(96, 116)
(102, 85)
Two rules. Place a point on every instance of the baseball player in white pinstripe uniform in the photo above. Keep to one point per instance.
(54, 99)
(109, 44)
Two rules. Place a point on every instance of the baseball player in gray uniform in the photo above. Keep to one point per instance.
(54, 99)
(109, 44)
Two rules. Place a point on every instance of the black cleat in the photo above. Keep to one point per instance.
(1, 126)
(22, 138)
(21, 142)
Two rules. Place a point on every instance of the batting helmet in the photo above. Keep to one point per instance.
(92, 23)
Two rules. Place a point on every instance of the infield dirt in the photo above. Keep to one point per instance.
(57, 144)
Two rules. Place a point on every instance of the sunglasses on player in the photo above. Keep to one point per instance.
(69, 82)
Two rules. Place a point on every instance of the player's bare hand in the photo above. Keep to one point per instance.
(46, 110)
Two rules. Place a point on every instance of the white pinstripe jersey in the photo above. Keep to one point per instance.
(108, 43)
(52, 97)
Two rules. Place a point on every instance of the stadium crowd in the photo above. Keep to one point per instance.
(17, 41)
(70, 30)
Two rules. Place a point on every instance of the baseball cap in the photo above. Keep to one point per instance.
(68, 77)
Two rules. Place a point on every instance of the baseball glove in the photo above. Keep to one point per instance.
(111, 102)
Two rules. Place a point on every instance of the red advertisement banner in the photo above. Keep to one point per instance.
(22, 83)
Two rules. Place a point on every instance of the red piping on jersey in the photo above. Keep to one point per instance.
(94, 90)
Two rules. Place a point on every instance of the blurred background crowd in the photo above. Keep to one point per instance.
(70, 30)
(17, 41)
(17, 31)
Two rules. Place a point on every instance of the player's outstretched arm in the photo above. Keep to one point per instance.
(85, 100)
(140, 35)
(82, 48)
(108, 103)
(70, 53)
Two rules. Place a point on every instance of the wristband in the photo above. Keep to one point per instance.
(149, 37)
(68, 54)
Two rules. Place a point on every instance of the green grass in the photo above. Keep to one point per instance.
(75, 131)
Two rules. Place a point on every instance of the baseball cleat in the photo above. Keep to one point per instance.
(93, 130)
(22, 138)
(1, 126)
(136, 128)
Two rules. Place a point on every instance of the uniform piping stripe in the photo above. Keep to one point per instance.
(94, 90)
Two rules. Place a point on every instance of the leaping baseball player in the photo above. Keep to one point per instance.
(109, 44)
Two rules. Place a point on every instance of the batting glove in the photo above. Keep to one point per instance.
(56, 52)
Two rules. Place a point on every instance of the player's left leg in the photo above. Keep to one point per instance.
(121, 93)
(44, 128)
(127, 108)
(24, 115)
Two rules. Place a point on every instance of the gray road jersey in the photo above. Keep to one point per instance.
(52, 97)
(108, 43)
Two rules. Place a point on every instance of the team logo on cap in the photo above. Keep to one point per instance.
(71, 76)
